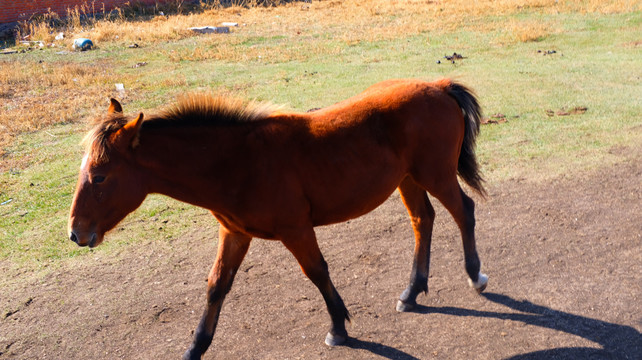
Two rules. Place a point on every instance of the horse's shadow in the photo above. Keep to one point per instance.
(384, 351)
(617, 341)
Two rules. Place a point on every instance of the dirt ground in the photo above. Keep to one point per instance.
(564, 260)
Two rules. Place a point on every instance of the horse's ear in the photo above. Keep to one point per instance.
(128, 136)
(114, 106)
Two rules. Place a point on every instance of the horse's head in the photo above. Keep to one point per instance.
(109, 185)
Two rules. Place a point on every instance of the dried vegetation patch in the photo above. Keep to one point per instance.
(38, 94)
(35, 95)
(349, 20)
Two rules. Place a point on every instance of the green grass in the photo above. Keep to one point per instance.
(593, 67)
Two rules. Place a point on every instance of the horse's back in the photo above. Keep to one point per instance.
(393, 91)
(406, 116)
(388, 103)
(362, 148)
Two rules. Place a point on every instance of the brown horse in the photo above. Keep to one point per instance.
(276, 175)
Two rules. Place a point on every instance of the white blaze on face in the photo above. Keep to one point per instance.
(83, 165)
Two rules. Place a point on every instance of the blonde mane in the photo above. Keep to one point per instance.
(205, 109)
(191, 110)
(96, 142)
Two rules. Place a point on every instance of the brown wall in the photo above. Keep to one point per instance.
(20, 10)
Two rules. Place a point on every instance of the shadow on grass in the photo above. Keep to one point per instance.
(617, 341)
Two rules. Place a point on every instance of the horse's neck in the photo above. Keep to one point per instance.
(176, 163)
(207, 166)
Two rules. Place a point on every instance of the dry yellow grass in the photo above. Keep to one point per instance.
(529, 30)
(230, 51)
(36, 95)
(349, 20)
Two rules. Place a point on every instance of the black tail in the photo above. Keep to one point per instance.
(467, 167)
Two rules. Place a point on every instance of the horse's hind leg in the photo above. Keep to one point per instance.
(422, 217)
(232, 248)
(462, 208)
(303, 245)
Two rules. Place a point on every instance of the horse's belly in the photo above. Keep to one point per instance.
(338, 205)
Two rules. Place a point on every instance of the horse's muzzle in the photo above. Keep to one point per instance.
(93, 239)
(73, 237)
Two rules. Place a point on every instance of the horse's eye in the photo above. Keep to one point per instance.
(97, 179)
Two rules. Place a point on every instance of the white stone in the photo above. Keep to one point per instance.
(211, 29)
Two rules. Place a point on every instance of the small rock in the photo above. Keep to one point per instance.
(578, 110)
(454, 57)
(210, 29)
(60, 36)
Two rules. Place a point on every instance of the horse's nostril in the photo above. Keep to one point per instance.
(73, 237)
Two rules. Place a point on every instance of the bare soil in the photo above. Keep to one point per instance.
(564, 259)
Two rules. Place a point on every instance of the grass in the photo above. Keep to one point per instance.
(312, 55)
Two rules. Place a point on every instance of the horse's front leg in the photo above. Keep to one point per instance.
(422, 217)
(232, 248)
(303, 245)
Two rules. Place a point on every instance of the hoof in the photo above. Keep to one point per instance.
(334, 340)
(480, 284)
(405, 307)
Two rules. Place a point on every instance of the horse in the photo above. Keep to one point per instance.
(268, 173)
